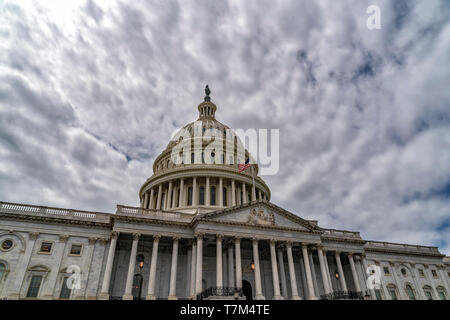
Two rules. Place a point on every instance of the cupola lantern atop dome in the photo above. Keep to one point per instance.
(207, 109)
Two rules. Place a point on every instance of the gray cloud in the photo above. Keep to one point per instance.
(90, 94)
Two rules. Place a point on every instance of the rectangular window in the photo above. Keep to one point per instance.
(441, 295)
(428, 295)
(393, 294)
(213, 196)
(386, 270)
(202, 196)
(76, 249)
(46, 247)
(378, 294)
(33, 289)
(421, 273)
(434, 273)
(65, 291)
(189, 196)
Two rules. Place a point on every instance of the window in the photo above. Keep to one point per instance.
(35, 284)
(65, 291)
(392, 291)
(410, 292)
(421, 273)
(434, 273)
(225, 196)
(403, 271)
(441, 293)
(378, 294)
(7, 245)
(76, 249)
(192, 158)
(168, 163)
(2, 271)
(386, 270)
(189, 196)
(202, 196)
(46, 247)
(163, 197)
(428, 292)
(213, 196)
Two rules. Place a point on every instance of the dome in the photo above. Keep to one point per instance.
(198, 170)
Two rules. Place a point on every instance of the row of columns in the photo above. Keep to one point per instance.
(235, 279)
(176, 195)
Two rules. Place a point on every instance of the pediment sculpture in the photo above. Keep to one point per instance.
(261, 218)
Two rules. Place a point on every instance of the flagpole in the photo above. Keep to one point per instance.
(253, 178)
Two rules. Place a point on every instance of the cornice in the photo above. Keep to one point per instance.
(53, 219)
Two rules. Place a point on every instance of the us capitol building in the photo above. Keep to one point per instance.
(204, 231)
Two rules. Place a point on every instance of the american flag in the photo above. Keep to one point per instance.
(243, 166)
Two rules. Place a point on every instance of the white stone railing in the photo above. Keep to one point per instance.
(18, 208)
(136, 211)
(401, 247)
(342, 233)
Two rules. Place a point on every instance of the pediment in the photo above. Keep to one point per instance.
(262, 214)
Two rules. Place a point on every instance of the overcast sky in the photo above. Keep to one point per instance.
(90, 93)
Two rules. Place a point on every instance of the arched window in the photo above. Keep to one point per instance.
(190, 196)
(213, 196)
(202, 196)
(168, 163)
(224, 197)
(428, 292)
(441, 293)
(34, 286)
(2, 271)
(410, 292)
(392, 289)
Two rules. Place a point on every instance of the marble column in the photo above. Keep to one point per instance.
(341, 271)
(131, 266)
(173, 270)
(244, 193)
(325, 259)
(104, 293)
(193, 268)
(219, 279)
(309, 280)
(153, 263)
(258, 286)
(231, 282)
(233, 193)
(237, 244)
(354, 274)
(313, 273)
(365, 266)
(169, 196)
(145, 202)
(292, 277)
(220, 192)
(199, 266)
(22, 266)
(282, 273)
(207, 193)
(194, 192)
(323, 271)
(181, 202)
(253, 191)
(151, 204)
(276, 281)
(158, 201)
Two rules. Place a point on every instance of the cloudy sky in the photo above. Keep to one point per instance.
(90, 93)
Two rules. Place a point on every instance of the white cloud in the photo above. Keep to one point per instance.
(90, 93)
